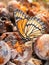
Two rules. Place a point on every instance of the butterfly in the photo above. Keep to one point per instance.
(29, 27)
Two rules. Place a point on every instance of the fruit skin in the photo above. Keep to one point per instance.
(34, 9)
(11, 6)
(2, 5)
(24, 51)
(10, 63)
(5, 53)
(47, 63)
(41, 47)
(34, 61)
(14, 4)
(1, 60)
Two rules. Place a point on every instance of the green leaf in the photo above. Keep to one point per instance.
(44, 0)
(34, 0)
